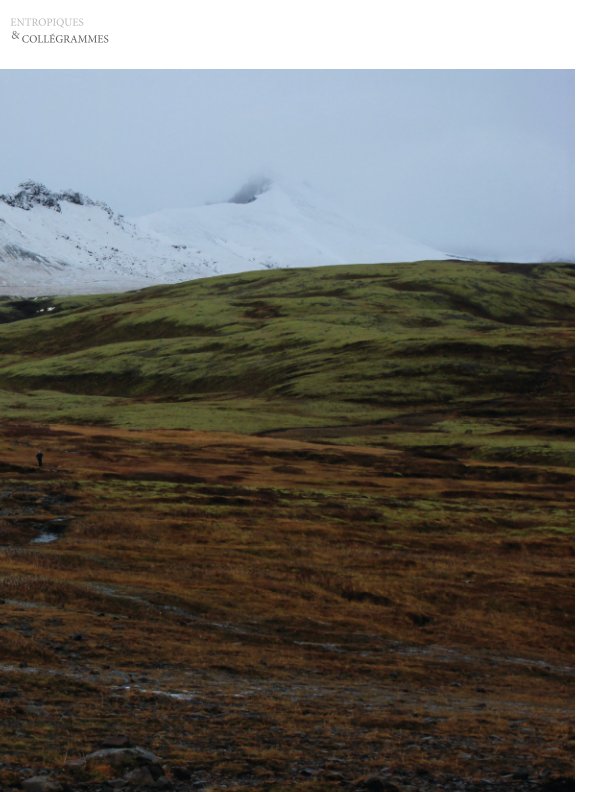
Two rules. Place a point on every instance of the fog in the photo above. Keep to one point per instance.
(476, 163)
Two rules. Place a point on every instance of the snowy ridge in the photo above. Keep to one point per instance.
(67, 243)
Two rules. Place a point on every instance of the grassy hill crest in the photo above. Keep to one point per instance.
(292, 348)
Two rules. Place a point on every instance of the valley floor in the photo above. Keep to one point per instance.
(269, 612)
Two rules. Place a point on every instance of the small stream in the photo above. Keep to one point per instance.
(22, 506)
(45, 538)
(51, 530)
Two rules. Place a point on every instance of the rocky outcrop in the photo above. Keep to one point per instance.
(30, 194)
(130, 767)
(251, 190)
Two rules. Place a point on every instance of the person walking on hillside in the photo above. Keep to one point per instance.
(39, 458)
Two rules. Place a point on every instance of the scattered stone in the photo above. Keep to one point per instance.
(522, 774)
(41, 784)
(124, 760)
(11, 693)
(140, 777)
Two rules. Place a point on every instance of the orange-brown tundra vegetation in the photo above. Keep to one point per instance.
(305, 529)
(270, 610)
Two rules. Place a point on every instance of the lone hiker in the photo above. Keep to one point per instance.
(39, 458)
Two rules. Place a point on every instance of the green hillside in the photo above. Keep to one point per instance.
(365, 353)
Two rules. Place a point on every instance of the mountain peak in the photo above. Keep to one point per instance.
(81, 245)
(251, 190)
(31, 193)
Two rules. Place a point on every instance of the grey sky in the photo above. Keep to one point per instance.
(477, 163)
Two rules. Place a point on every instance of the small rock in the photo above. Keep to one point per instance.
(41, 784)
(522, 774)
(118, 757)
(9, 694)
(123, 760)
(140, 777)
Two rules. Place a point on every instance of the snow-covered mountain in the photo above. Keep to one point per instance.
(58, 243)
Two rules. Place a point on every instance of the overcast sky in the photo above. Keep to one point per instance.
(478, 163)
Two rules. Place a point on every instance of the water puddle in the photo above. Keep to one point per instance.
(85, 675)
(16, 603)
(51, 530)
(182, 695)
(447, 655)
(45, 538)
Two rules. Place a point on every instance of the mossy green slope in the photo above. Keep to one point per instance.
(303, 348)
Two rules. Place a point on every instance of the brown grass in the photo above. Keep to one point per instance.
(330, 608)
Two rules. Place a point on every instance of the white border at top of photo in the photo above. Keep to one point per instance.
(290, 34)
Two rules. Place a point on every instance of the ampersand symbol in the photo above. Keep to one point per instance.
(15, 34)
